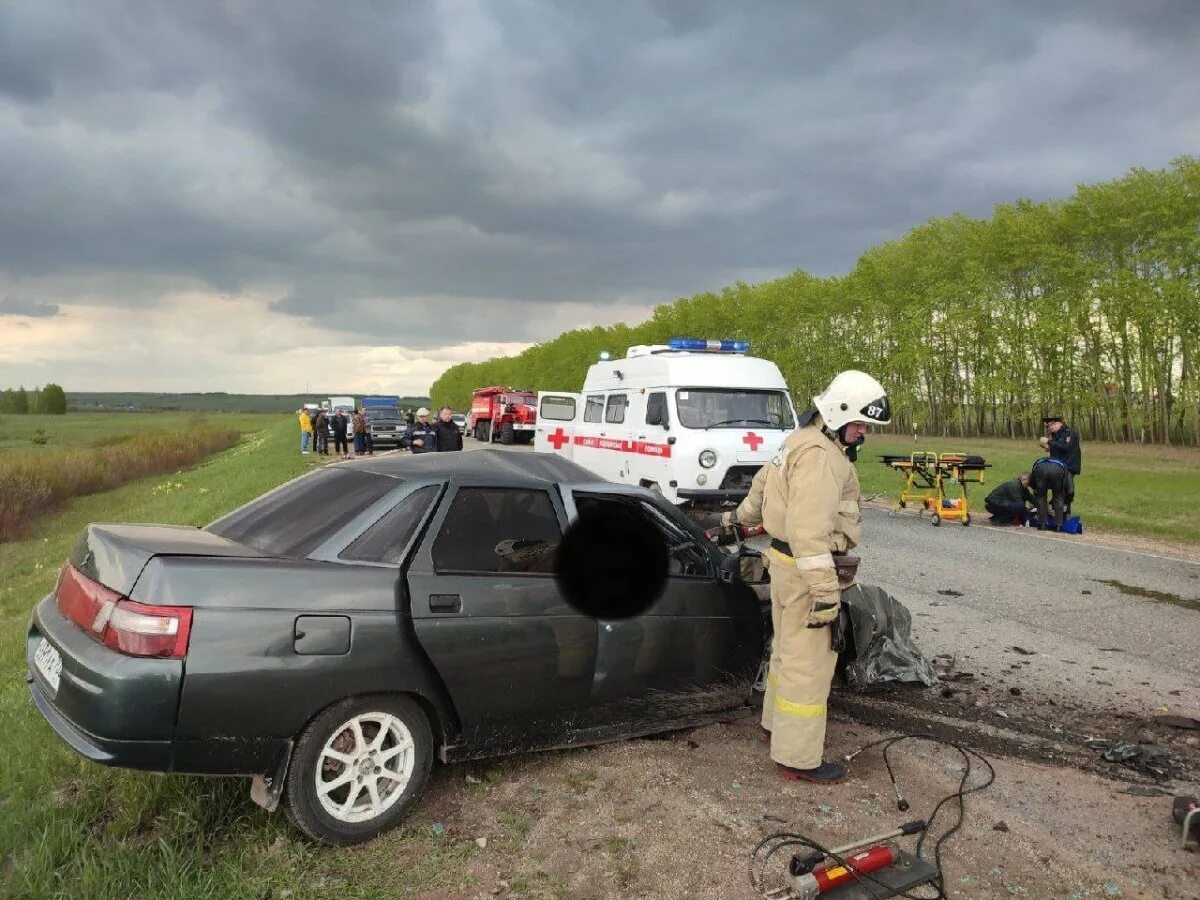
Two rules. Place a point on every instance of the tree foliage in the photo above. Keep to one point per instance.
(1087, 307)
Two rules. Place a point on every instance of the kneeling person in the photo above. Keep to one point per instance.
(1009, 503)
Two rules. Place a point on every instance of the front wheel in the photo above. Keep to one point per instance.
(358, 768)
(937, 519)
(507, 434)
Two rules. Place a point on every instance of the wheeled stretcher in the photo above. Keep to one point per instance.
(926, 477)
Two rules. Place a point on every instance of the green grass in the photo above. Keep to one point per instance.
(69, 828)
(76, 430)
(1149, 491)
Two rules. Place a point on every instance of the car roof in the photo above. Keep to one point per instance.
(503, 466)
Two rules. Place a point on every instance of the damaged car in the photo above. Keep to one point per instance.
(336, 636)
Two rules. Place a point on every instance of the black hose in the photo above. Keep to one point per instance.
(784, 839)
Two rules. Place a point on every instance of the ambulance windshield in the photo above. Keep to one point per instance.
(733, 408)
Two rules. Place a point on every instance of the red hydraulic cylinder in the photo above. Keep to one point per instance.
(867, 861)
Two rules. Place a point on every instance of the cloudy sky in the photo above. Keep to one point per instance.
(253, 196)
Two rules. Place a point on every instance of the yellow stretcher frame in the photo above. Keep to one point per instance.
(925, 476)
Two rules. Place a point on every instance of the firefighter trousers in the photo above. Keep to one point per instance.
(800, 673)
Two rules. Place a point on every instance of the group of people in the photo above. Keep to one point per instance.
(420, 435)
(1042, 497)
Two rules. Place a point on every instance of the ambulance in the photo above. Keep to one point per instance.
(691, 419)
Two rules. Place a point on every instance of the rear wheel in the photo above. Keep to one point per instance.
(358, 768)
(507, 433)
(937, 519)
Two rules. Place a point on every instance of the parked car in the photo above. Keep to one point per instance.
(334, 657)
(460, 420)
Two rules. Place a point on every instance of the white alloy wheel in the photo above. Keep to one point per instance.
(364, 767)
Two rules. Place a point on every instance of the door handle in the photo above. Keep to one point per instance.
(445, 603)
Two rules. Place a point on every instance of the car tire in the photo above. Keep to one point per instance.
(507, 433)
(352, 729)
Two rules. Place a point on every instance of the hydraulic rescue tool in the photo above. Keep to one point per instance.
(838, 873)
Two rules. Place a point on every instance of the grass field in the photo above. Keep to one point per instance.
(1128, 489)
(72, 829)
(91, 429)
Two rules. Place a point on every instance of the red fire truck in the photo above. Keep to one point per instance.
(503, 413)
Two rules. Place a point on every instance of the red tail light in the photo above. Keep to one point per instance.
(134, 629)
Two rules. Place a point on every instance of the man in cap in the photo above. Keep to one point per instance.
(421, 437)
(1062, 442)
(807, 499)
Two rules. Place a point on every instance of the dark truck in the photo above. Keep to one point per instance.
(385, 421)
(334, 657)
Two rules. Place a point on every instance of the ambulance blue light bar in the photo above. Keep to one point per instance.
(709, 346)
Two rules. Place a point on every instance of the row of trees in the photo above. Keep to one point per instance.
(50, 400)
(1087, 307)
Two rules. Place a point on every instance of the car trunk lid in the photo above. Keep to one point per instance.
(114, 555)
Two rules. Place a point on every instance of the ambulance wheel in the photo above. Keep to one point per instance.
(937, 520)
(507, 434)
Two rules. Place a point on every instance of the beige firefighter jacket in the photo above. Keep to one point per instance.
(807, 496)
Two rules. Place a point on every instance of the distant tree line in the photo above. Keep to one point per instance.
(50, 400)
(1087, 307)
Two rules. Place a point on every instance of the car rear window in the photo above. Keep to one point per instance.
(294, 519)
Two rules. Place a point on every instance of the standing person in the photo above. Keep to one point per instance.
(320, 426)
(1063, 444)
(807, 498)
(305, 429)
(341, 424)
(408, 417)
(1051, 478)
(449, 437)
(1009, 502)
(359, 426)
(421, 437)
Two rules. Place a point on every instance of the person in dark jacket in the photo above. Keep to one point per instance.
(1063, 444)
(1009, 503)
(321, 433)
(1051, 478)
(421, 437)
(341, 425)
(449, 437)
(408, 417)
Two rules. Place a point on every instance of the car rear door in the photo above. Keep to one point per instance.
(556, 418)
(515, 658)
(696, 648)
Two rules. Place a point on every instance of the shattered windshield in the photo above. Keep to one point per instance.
(737, 408)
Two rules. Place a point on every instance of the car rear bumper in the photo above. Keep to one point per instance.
(152, 755)
(120, 710)
(113, 709)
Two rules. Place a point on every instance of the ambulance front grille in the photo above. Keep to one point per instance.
(738, 478)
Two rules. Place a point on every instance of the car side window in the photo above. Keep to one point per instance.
(556, 408)
(615, 412)
(498, 530)
(386, 540)
(593, 411)
(656, 408)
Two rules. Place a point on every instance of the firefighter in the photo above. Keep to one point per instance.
(807, 498)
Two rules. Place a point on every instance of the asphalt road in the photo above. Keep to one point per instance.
(1093, 643)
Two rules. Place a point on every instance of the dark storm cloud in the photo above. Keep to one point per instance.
(437, 168)
(17, 306)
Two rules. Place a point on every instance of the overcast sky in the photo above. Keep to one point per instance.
(251, 196)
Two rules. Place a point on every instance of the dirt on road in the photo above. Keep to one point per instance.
(677, 817)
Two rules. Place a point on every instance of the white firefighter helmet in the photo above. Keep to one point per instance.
(853, 396)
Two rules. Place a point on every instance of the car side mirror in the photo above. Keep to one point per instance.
(744, 567)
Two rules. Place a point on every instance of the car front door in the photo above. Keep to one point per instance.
(516, 659)
(698, 646)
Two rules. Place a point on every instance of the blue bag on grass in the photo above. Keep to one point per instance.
(1072, 526)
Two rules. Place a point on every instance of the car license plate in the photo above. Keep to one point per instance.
(48, 663)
